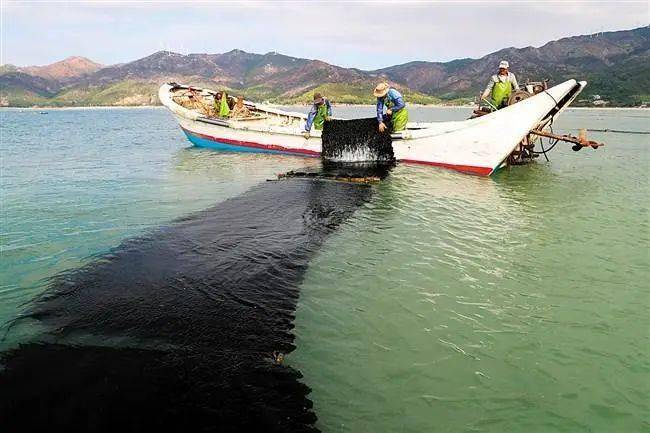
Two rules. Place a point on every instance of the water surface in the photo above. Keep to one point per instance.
(446, 302)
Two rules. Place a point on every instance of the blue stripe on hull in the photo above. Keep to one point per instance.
(217, 145)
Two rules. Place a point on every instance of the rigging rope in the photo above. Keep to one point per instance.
(619, 131)
(551, 143)
(557, 104)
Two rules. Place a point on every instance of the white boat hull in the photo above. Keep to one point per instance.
(478, 146)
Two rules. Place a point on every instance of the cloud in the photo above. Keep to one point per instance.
(366, 35)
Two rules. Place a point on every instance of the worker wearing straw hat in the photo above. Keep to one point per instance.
(500, 86)
(396, 112)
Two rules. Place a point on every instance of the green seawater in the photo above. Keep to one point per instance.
(447, 303)
(75, 183)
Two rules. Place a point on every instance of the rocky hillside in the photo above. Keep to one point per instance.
(615, 63)
(65, 70)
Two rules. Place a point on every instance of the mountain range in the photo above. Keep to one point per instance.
(616, 64)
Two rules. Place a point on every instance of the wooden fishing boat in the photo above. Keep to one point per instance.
(479, 146)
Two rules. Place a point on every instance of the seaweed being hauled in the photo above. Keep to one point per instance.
(356, 140)
(184, 329)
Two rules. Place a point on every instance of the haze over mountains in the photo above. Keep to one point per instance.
(616, 64)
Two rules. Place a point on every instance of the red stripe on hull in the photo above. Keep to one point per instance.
(481, 171)
(254, 145)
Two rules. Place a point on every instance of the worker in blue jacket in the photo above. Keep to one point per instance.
(320, 112)
(396, 112)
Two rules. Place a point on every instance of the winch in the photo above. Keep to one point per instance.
(526, 150)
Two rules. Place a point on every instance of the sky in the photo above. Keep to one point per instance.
(363, 34)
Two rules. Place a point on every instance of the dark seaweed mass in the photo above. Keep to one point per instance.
(176, 331)
(341, 137)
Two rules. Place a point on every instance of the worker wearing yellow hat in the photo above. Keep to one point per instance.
(396, 112)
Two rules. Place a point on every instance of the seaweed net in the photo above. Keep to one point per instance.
(184, 329)
(356, 140)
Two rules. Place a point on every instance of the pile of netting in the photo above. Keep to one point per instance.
(357, 140)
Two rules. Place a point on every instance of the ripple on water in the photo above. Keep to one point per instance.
(448, 303)
(454, 303)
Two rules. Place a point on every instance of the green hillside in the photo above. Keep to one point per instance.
(19, 97)
(358, 93)
(134, 93)
(615, 64)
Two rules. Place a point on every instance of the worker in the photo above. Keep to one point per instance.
(500, 86)
(221, 107)
(240, 110)
(320, 112)
(396, 112)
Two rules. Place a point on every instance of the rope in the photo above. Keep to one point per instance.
(488, 103)
(551, 143)
(198, 98)
(619, 131)
(545, 151)
(541, 143)
(551, 96)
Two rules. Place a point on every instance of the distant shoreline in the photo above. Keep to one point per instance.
(134, 107)
(86, 107)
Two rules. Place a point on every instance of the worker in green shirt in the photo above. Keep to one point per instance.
(320, 111)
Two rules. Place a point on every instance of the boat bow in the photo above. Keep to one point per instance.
(480, 145)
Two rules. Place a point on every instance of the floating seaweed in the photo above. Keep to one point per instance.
(353, 172)
(184, 329)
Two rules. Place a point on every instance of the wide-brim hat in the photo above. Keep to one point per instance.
(381, 90)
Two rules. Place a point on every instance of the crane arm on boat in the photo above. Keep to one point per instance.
(580, 141)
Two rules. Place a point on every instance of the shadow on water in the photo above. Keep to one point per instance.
(181, 329)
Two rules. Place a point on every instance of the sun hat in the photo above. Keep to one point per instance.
(504, 64)
(318, 98)
(381, 90)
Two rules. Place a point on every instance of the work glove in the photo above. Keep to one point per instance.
(328, 118)
(306, 134)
